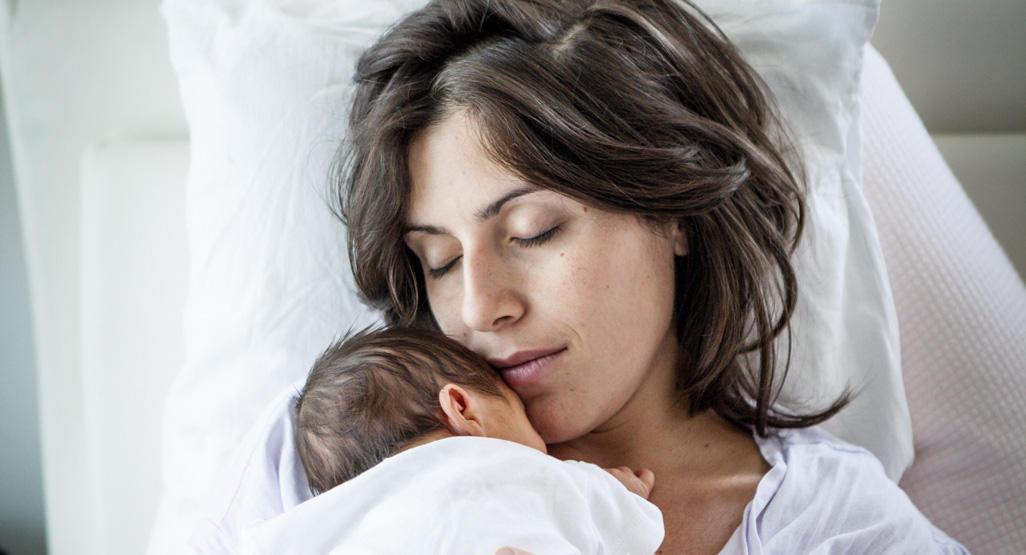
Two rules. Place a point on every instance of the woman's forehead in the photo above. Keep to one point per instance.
(450, 169)
(454, 178)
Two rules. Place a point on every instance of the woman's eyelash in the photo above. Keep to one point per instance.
(436, 273)
(537, 239)
(439, 272)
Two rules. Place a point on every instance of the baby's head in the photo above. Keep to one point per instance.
(375, 393)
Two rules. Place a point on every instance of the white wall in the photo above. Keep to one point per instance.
(22, 525)
(962, 66)
(960, 62)
(75, 73)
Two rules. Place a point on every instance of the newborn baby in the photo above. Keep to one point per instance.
(415, 444)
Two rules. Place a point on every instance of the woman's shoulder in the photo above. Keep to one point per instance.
(821, 491)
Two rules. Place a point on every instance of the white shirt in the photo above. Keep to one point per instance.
(823, 495)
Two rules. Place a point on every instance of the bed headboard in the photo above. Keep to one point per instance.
(133, 283)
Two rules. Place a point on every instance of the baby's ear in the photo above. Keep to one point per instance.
(460, 411)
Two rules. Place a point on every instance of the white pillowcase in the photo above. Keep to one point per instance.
(266, 86)
(845, 329)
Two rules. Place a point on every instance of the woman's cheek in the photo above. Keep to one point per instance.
(444, 305)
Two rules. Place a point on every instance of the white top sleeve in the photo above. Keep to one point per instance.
(826, 496)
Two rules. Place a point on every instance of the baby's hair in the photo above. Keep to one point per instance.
(374, 391)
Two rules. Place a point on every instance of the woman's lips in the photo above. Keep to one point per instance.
(526, 367)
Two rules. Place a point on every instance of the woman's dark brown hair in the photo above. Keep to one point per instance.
(631, 106)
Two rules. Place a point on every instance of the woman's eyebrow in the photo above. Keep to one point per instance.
(430, 229)
(492, 209)
(485, 213)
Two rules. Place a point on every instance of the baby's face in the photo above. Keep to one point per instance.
(507, 419)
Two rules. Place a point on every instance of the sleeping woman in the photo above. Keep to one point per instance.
(597, 197)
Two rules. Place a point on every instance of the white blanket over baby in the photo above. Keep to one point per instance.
(467, 495)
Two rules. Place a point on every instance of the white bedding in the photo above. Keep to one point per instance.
(962, 311)
(458, 495)
(936, 340)
(265, 86)
(963, 314)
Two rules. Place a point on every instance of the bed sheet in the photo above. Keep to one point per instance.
(962, 311)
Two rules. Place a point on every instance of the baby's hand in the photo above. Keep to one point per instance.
(639, 482)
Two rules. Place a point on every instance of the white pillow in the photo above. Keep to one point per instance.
(845, 329)
(265, 85)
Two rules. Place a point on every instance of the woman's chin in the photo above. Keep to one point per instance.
(558, 425)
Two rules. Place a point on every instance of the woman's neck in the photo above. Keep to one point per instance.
(654, 430)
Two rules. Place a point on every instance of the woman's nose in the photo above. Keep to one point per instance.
(491, 298)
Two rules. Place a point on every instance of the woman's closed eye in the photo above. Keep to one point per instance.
(539, 239)
(439, 272)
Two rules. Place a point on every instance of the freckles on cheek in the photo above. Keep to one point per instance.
(577, 286)
(624, 282)
(583, 298)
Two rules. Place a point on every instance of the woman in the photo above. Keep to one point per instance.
(597, 197)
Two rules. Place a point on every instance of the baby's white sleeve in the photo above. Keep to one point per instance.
(557, 507)
(624, 521)
(468, 495)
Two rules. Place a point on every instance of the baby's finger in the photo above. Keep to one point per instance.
(647, 477)
(630, 480)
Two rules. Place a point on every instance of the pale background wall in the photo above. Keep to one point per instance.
(22, 524)
(961, 63)
(100, 67)
(962, 66)
(76, 73)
